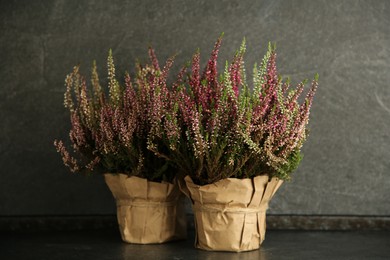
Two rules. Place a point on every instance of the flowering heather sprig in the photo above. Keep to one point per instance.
(154, 59)
(67, 159)
(211, 71)
(236, 69)
(113, 85)
(209, 87)
(194, 80)
(77, 134)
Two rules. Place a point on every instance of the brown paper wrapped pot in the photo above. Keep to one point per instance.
(230, 214)
(148, 212)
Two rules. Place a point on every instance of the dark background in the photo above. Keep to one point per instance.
(346, 168)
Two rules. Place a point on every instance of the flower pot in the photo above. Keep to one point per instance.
(148, 212)
(230, 214)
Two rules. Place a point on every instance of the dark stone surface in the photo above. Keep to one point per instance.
(277, 245)
(346, 166)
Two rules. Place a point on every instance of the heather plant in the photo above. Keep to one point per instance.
(229, 129)
(112, 128)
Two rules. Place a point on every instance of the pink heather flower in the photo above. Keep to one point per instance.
(212, 90)
(172, 131)
(166, 69)
(130, 99)
(92, 164)
(106, 128)
(77, 134)
(179, 81)
(210, 72)
(294, 98)
(272, 74)
(68, 160)
(235, 73)
(153, 58)
(195, 77)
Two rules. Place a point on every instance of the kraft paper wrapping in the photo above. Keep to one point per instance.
(230, 214)
(148, 212)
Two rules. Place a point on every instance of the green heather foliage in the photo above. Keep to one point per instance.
(206, 124)
(110, 133)
(229, 129)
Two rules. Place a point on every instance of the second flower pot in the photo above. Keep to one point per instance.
(148, 212)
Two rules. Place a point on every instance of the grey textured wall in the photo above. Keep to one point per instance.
(346, 169)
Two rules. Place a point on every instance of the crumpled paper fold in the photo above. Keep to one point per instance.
(230, 214)
(148, 212)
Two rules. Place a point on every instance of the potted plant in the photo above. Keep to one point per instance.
(111, 133)
(237, 146)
